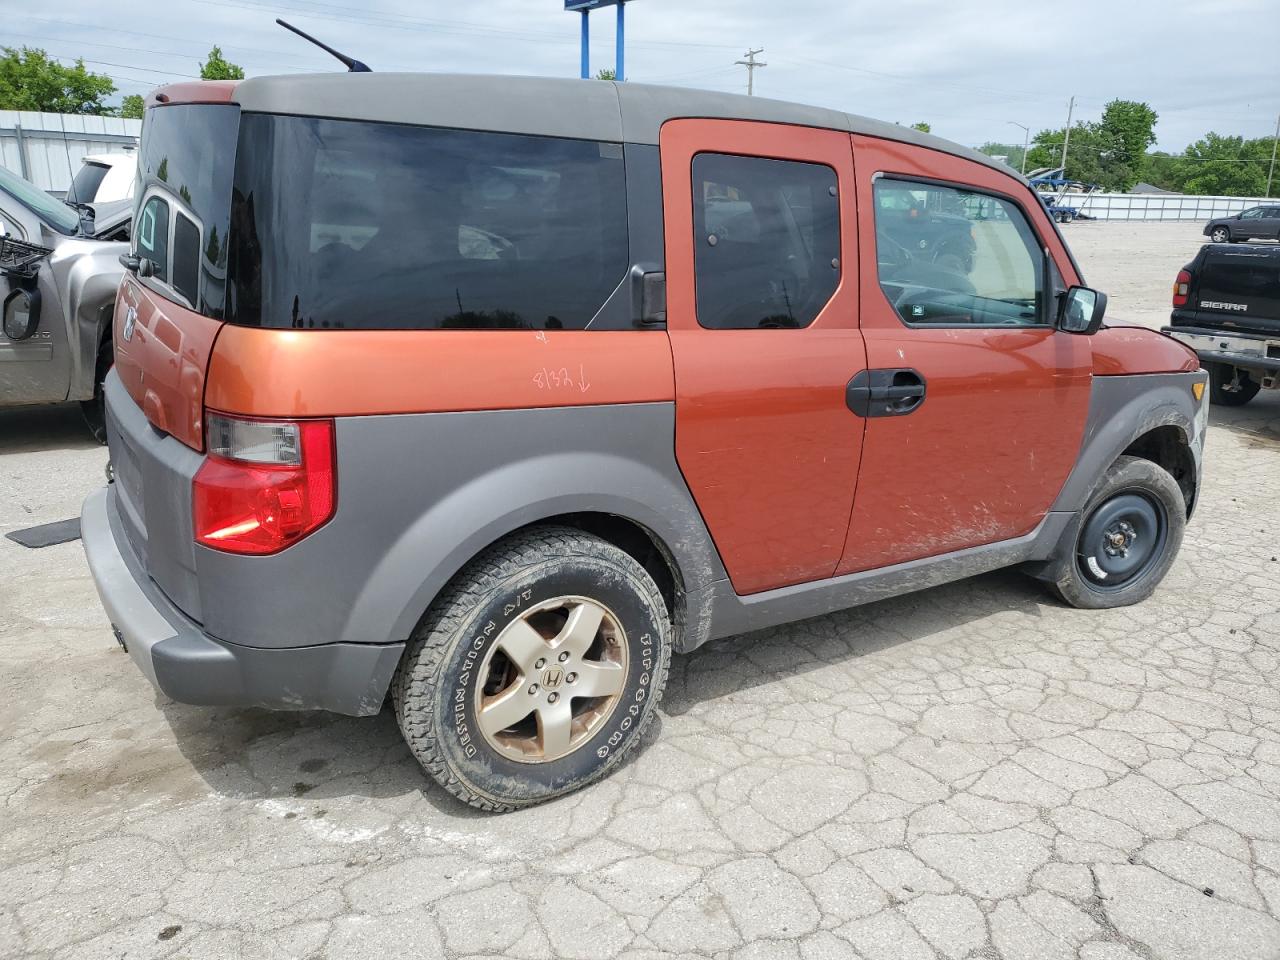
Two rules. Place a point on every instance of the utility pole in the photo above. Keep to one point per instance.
(751, 63)
(1272, 168)
(1066, 139)
(1026, 143)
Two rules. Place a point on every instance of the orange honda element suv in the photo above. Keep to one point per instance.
(492, 394)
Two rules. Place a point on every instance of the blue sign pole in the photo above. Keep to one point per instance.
(584, 7)
(618, 57)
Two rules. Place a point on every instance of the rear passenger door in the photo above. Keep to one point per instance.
(762, 313)
(957, 298)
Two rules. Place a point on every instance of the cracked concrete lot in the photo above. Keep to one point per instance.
(974, 771)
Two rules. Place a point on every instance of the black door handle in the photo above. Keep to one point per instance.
(885, 393)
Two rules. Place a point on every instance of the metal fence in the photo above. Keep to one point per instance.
(46, 148)
(1159, 206)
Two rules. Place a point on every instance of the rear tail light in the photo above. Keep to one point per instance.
(265, 485)
(1181, 287)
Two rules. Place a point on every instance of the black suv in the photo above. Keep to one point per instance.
(1226, 307)
(1256, 223)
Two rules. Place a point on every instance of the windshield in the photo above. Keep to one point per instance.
(53, 212)
(346, 224)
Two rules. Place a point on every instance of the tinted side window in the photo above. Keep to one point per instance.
(1253, 213)
(152, 236)
(345, 224)
(766, 241)
(956, 257)
(186, 257)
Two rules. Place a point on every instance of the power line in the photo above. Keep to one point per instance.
(153, 36)
(464, 27)
(131, 49)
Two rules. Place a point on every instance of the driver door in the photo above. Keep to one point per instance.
(986, 400)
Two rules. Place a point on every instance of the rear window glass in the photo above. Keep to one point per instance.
(187, 154)
(84, 188)
(344, 224)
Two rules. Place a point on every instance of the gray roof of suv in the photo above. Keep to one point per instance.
(583, 109)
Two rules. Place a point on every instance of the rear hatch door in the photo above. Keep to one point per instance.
(168, 315)
(1239, 289)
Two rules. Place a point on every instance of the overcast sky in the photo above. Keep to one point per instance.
(967, 68)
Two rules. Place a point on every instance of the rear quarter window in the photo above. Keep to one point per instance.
(352, 225)
(187, 155)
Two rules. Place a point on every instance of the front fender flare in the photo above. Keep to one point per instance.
(1122, 409)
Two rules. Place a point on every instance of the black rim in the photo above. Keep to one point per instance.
(1121, 540)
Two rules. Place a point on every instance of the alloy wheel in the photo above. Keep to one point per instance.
(551, 678)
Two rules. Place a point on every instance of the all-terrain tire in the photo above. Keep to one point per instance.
(95, 409)
(433, 692)
(1221, 376)
(1141, 485)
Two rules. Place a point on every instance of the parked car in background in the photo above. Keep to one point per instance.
(104, 178)
(1256, 223)
(490, 394)
(55, 343)
(1226, 307)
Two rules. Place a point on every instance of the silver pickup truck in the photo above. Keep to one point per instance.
(59, 270)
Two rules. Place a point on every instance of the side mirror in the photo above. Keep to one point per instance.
(146, 268)
(130, 262)
(21, 314)
(1081, 310)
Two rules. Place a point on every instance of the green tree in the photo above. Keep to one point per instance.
(1093, 156)
(922, 127)
(31, 80)
(606, 73)
(1226, 166)
(132, 106)
(216, 67)
(1012, 152)
(1130, 128)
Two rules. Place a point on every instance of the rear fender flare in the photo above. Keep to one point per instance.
(440, 542)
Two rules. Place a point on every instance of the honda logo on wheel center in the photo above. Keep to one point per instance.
(552, 677)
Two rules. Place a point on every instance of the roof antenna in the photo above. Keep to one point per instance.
(352, 65)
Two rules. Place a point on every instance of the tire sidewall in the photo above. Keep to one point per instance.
(469, 755)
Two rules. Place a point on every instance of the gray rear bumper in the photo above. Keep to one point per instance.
(187, 665)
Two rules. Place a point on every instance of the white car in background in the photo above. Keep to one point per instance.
(104, 178)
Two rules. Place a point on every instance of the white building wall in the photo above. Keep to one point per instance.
(54, 143)
(1156, 206)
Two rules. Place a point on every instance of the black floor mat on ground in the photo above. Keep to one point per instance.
(47, 534)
